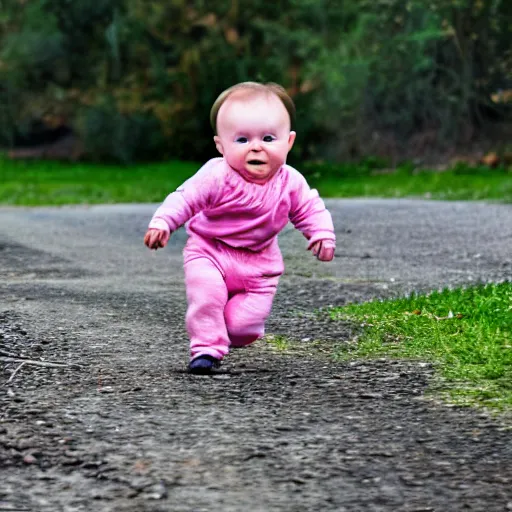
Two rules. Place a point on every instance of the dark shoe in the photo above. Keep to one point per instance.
(203, 365)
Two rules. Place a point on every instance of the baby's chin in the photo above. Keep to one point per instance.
(259, 172)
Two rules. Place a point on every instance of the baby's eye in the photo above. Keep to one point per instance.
(241, 140)
(268, 138)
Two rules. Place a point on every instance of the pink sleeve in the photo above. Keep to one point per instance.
(188, 199)
(308, 212)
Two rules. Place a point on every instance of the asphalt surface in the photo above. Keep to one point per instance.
(120, 425)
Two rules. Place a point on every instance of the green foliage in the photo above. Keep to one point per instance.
(130, 137)
(27, 58)
(367, 76)
(32, 51)
(466, 332)
(408, 68)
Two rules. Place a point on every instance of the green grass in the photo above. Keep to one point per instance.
(281, 343)
(465, 332)
(53, 183)
(460, 183)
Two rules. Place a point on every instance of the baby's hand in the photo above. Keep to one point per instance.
(323, 250)
(156, 238)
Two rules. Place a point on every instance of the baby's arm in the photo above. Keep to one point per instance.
(180, 206)
(309, 214)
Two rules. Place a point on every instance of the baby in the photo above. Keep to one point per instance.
(234, 207)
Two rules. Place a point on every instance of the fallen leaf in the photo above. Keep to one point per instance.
(491, 159)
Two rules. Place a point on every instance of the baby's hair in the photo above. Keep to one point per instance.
(254, 87)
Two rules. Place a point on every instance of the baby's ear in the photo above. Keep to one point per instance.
(291, 140)
(218, 144)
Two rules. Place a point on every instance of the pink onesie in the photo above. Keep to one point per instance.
(232, 259)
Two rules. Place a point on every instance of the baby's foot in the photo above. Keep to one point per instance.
(203, 365)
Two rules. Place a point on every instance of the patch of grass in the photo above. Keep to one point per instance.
(281, 343)
(55, 183)
(34, 183)
(460, 183)
(465, 332)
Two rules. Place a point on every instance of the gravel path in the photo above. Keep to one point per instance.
(129, 430)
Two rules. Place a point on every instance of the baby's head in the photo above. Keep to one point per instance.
(252, 125)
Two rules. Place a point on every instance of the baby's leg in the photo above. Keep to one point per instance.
(207, 296)
(247, 312)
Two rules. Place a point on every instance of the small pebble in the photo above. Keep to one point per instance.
(29, 459)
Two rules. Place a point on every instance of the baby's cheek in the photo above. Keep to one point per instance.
(236, 161)
(278, 158)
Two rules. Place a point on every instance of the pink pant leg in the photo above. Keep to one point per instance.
(206, 296)
(246, 313)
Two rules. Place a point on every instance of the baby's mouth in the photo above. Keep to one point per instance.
(256, 162)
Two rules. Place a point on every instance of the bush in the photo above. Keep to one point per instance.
(138, 78)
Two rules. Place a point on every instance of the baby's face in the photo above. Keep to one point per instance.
(254, 134)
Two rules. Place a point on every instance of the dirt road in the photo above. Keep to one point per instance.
(121, 427)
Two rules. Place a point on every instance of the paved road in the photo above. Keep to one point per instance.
(130, 431)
